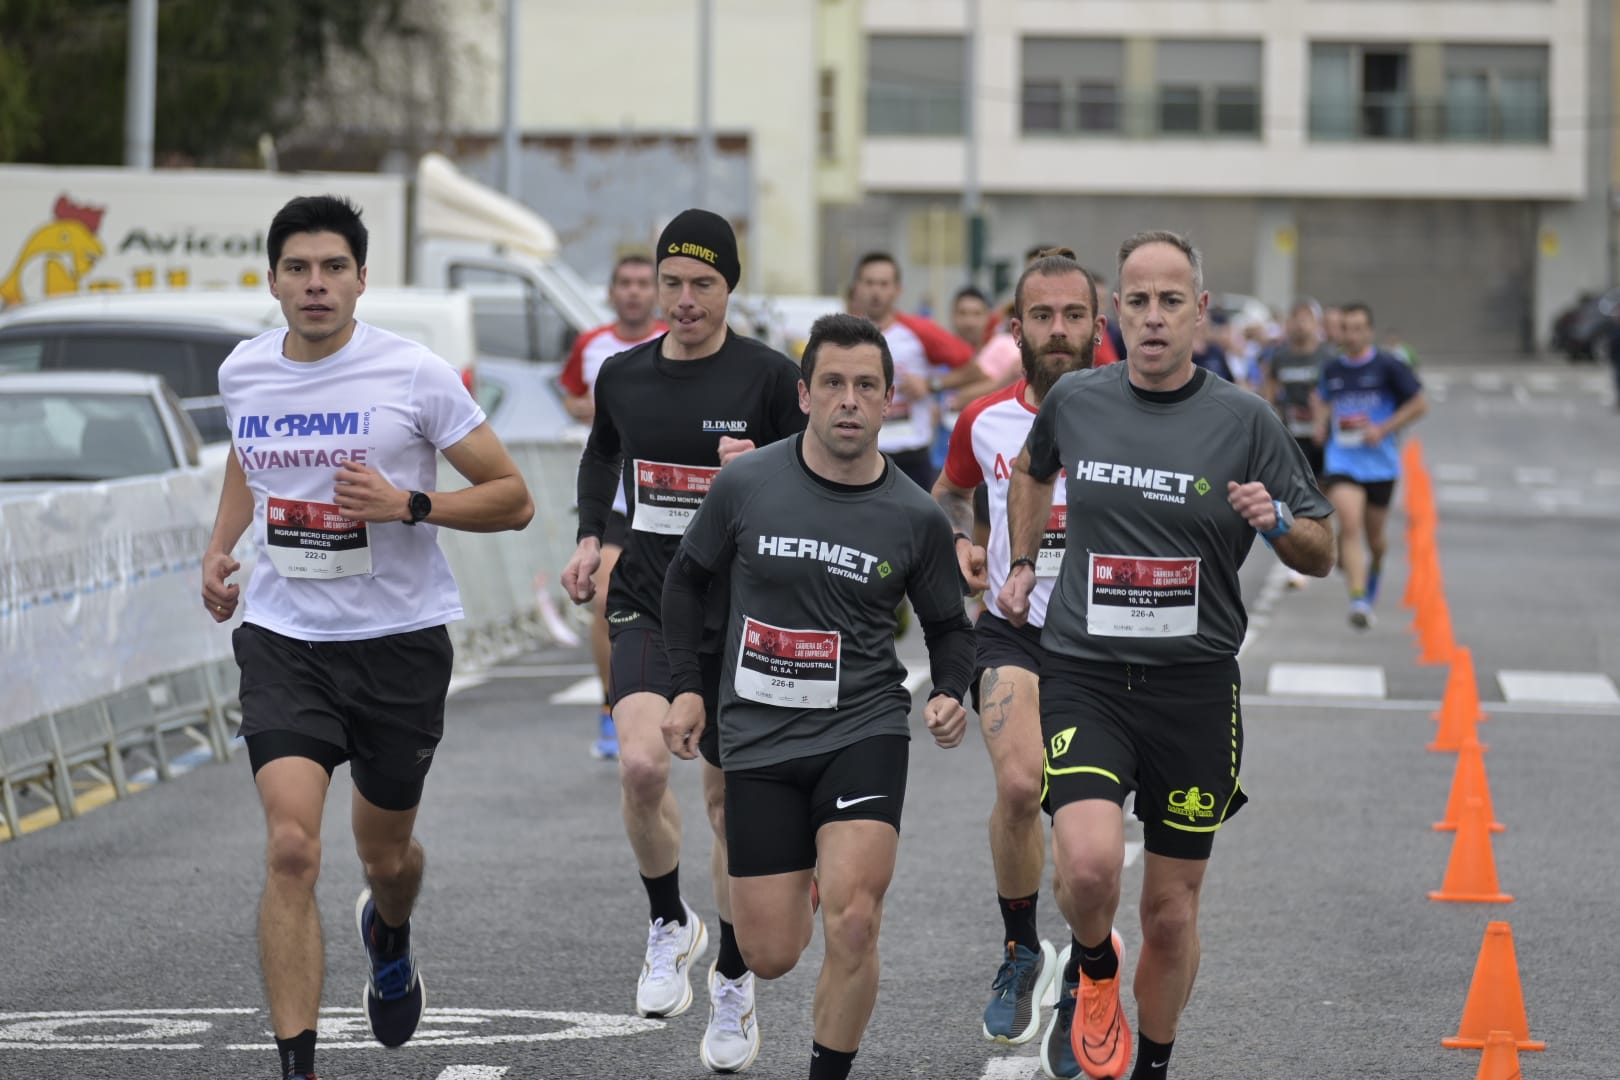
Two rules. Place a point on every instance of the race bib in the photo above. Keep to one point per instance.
(314, 540)
(1301, 421)
(1132, 597)
(791, 668)
(1049, 560)
(668, 495)
(1350, 429)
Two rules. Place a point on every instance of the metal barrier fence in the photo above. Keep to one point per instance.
(105, 649)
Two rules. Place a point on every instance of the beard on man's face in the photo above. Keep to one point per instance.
(1043, 369)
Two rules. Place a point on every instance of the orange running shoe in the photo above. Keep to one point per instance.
(1100, 1037)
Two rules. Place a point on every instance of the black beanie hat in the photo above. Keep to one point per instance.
(705, 236)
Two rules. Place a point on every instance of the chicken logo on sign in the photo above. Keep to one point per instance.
(56, 258)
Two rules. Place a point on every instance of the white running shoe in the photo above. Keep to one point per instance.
(665, 985)
(732, 1040)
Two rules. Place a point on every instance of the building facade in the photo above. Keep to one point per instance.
(1437, 159)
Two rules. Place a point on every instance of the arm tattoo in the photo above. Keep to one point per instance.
(958, 510)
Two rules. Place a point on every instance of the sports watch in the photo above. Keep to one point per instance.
(1285, 521)
(420, 506)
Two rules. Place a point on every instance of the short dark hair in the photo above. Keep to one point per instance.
(633, 259)
(1164, 236)
(1356, 305)
(845, 331)
(317, 213)
(1053, 262)
(970, 292)
(877, 257)
(1033, 253)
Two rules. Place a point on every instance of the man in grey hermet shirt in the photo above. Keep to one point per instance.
(823, 538)
(1170, 474)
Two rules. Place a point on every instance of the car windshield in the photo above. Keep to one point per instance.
(63, 435)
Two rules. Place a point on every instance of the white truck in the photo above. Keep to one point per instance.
(69, 231)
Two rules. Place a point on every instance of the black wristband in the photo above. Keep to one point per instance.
(961, 536)
(1022, 560)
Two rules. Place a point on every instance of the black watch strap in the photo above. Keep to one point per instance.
(1022, 560)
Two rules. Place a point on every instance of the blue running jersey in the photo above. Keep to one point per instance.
(1362, 392)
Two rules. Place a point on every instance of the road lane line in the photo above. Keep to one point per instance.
(473, 1072)
(1328, 680)
(1011, 1068)
(1558, 687)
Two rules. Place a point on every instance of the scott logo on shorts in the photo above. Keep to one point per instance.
(1192, 804)
(1060, 742)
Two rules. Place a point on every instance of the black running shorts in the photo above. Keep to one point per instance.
(1380, 493)
(997, 643)
(774, 812)
(378, 703)
(1313, 453)
(1173, 735)
(640, 666)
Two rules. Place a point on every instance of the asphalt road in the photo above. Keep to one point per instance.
(127, 937)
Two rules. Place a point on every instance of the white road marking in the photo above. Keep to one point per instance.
(1606, 478)
(1488, 381)
(473, 1072)
(346, 1029)
(1556, 498)
(1011, 1068)
(1527, 708)
(65, 1030)
(1456, 472)
(1133, 851)
(587, 691)
(458, 683)
(1531, 475)
(1558, 687)
(916, 675)
(1458, 493)
(1326, 680)
(1545, 382)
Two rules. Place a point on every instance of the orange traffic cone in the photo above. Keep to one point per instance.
(1435, 643)
(1459, 710)
(1501, 1060)
(1495, 999)
(1424, 570)
(1468, 782)
(1471, 873)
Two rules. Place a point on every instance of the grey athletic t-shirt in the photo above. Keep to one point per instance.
(1150, 571)
(817, 571)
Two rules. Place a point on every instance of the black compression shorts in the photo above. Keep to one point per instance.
(1174, 735)
(773, 812)
(376, 703)
(1380, 493)
(640, 665)
(997, 643)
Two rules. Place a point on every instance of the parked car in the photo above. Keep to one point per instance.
(186, 353)
(67, 427)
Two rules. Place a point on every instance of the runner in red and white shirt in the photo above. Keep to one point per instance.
(1055, 321)
(917, 345)
(632, 294)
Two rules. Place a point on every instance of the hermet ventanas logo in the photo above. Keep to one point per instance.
(841, 561)
(1159, 485)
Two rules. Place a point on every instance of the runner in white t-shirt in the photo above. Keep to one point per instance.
(634, 298)
(336, 427)
(1055, 320)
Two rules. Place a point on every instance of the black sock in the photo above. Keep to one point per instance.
(297, 1054)
(664, 896)
(828, 1064)
(730, 962)
(1071, 970)
(1152, 1059)
(1099, 961)
(1018, 919)
(389, 940)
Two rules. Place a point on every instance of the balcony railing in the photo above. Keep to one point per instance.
(1168, 112)
(1402, 117)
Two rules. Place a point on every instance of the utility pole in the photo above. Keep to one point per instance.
(705, 121)
(511, 170)
(140, 85)
(972, 209)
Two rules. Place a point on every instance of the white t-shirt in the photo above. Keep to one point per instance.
(985, 441)
(383, 401)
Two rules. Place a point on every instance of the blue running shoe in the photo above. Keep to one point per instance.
(1013, 1014)
(394, 998)
(1057, 1052)
(606, 746)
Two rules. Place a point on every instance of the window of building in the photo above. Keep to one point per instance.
(1072, 85)
(1360, 91)
(1208, 87)
(1496, 93)
(914, 84)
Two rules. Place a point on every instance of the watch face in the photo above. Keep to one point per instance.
(421, 505)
